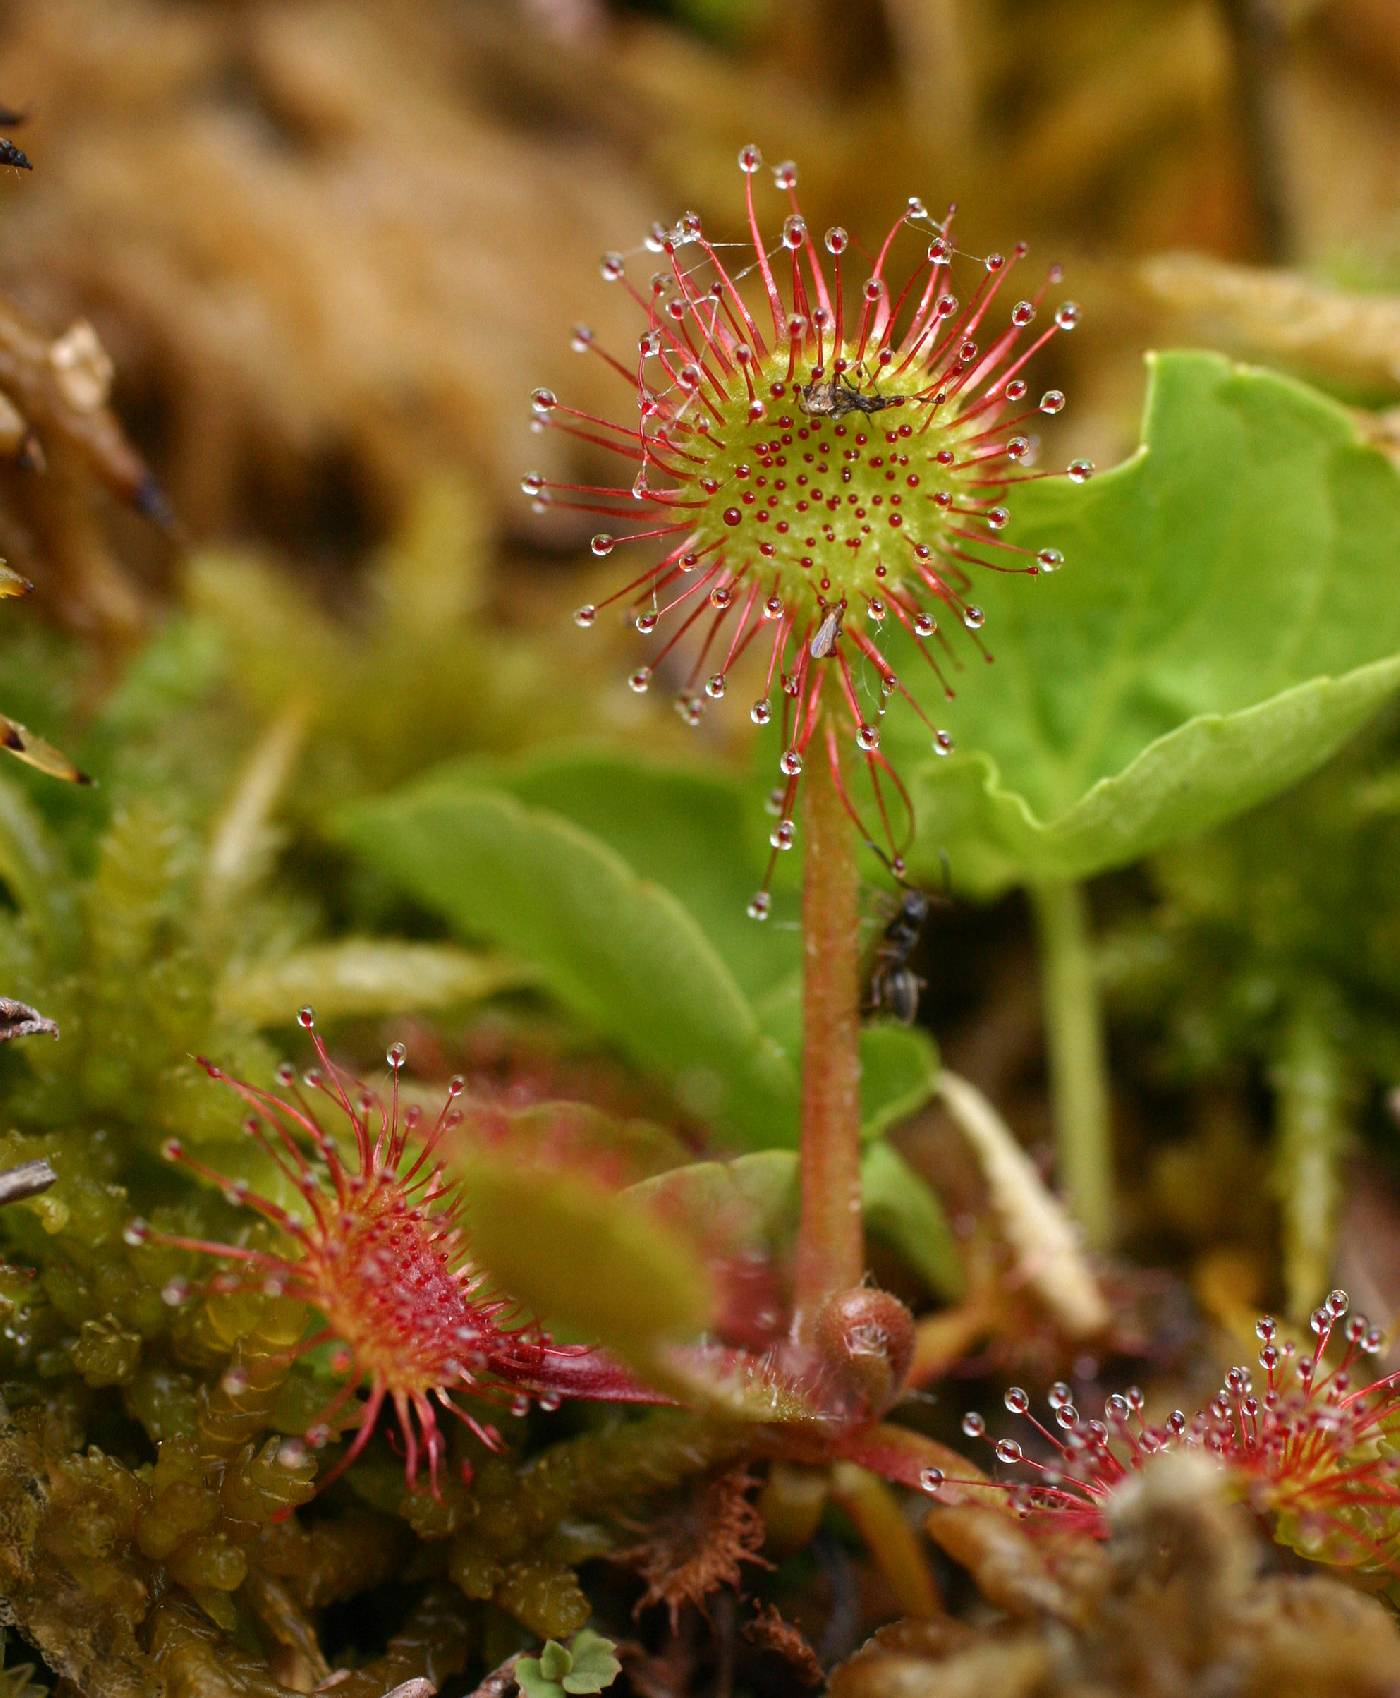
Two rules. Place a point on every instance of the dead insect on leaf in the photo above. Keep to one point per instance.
(19, 1020)
(828, 633)
(835, 399)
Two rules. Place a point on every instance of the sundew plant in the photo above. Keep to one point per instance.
(851, 459)
(852, 456)
(507, 1187)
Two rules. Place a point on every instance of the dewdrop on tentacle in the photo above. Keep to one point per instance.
(820, 450)
(1310, 1444)
(376, 1249)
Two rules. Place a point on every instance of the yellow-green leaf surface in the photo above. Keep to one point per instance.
(623, 884)
(363, 976)
(559, 1133)
(1227, 616)
(600, 1263)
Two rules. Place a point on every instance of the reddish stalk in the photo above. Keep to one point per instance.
(830, 1242)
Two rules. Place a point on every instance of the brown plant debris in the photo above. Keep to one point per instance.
(60, 442)
(1172, 1606)
(314, 303)
(26, 1180)
(1336, 332)
(770, 1631)
(19, 1020)
(699, 1546)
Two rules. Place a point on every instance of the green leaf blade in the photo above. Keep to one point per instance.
(623, 885)
(535, 1231)
(1228, 616)
(618, 950)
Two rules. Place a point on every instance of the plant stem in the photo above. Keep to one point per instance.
(1255, 32)
(830, 1242)
(1314, 1104)
(1078, 1069)
(894, 1544)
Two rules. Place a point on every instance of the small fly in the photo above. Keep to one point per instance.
(828, 633)
(835, 399)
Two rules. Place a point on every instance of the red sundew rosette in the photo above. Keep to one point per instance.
(1307, 1449)
(378, 1253)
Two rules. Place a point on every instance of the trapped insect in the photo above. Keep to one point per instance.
(827, 634)
(9, 153)
(894, 987)
(835, 399)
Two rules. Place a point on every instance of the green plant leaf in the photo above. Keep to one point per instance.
(624, 885)
(362, 976)
(586, 1665)
(619, 950)
(560, 1133)
(1228, 615)
(533, 1681)
(899, 1073)
(757, 1197)
(902, 1208)
(584, 1256)
(595, 1667)
(696, 832)
(555, 1661)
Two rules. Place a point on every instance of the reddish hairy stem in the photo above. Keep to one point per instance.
(830, 1243)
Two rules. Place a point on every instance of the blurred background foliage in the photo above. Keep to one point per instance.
(270, 504)
(330, 247)
(325, 250)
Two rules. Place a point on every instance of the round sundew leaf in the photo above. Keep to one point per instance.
(1227, 616)
(596, 1261)
(623, 884)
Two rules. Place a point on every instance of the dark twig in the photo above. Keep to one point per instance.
(1255, 31)
(500, 1681)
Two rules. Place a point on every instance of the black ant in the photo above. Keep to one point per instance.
(835, 399)
(894, 987)
(9, 153)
